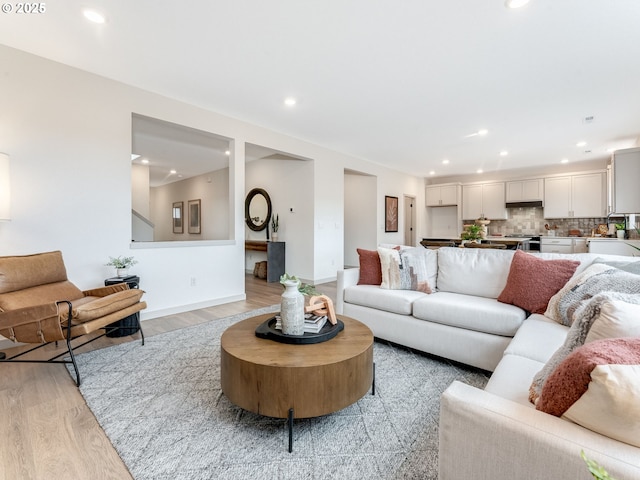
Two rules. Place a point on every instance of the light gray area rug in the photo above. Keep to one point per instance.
(162, 408)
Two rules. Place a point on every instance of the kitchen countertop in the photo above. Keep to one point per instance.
(492, 238)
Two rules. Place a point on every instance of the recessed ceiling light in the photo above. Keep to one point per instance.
(515, 3)
(581, 144)
(145, 161)
(172, 172)
(134, 156)
(483, 131)
(432, 172)
(504, 153)
(227, 152)
(564, 160)
(94, 16)
(479, 170)
(445, 162)
(290, 101)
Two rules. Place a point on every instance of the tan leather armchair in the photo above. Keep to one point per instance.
(38, 304)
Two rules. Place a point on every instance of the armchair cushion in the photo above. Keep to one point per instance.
(20, 272)
(49, 293)
(90, 308)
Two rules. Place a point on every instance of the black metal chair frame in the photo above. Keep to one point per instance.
(70, 348)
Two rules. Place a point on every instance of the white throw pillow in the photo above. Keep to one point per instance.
(616, 319)
(611, 404)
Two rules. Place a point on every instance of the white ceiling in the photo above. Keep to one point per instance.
(398, 82)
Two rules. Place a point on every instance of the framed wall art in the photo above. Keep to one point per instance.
(390, 214)
(177, 215)
(194, 216)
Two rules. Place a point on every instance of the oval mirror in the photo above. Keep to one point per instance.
(257, 209)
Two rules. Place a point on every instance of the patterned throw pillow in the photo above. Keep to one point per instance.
(532, 281)
(608, 315)
(553, 308)
(404, 270)
(598, 387)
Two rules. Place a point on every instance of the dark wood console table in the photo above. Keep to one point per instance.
(275, 256)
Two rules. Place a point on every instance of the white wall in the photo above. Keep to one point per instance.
(360, 219)
(68, 133)
(212, 189)
(289, 184)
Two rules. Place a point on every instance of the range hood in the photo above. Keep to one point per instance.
(532, 204)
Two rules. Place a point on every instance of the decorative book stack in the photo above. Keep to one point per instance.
(312, 323)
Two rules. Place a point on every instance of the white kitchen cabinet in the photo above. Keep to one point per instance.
(580, 245)
(626, 180)
(441, 195)
(525, 190)
(563, 245)
(576, 196)
(614, 246)
(484, 200)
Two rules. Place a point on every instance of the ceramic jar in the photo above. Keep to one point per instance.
(292, 309)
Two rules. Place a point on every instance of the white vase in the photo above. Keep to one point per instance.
(292, 309)
(274, 236)
(620, 233)
(122, 272)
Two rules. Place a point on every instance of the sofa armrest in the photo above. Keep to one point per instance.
(346, 278)
(484, 436)
(104, 291)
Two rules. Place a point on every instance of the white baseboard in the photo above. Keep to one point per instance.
(148, 315)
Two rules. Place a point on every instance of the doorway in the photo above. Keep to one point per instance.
(409, 220)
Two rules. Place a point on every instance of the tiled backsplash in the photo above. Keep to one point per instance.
(528, 221)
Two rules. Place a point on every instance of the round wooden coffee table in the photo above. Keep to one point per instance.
(282, 380)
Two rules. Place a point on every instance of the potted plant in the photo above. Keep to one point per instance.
(275, 224)
(620, 231)
(472, 233)
(121, 264)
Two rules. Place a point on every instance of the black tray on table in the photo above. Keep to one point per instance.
(267, 329)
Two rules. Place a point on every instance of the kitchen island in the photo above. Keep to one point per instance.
(512, 243)
(614, 246)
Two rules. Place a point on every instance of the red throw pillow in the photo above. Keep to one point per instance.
(532, 281)
(370, 270)
(571, 379)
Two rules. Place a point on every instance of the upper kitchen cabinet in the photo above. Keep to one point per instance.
(576, 196)
(525, 190)
(484, 200)
(626, 180)
(441, 195)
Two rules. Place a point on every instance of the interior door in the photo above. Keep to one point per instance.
(409, 221)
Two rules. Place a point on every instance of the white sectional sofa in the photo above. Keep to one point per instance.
(495, 433)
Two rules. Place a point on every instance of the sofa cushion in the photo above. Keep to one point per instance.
(532, 281)
(395, 301)
(538, 338)
(370, 271)
(598, 387)
(632, 266)
(472, 313)
(607, 314)
(512, 377)
(473, 271)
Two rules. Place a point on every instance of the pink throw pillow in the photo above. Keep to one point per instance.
(532, 281)
(370, 269)
(571, 379)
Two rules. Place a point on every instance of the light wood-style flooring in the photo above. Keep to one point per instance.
(46, 429)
